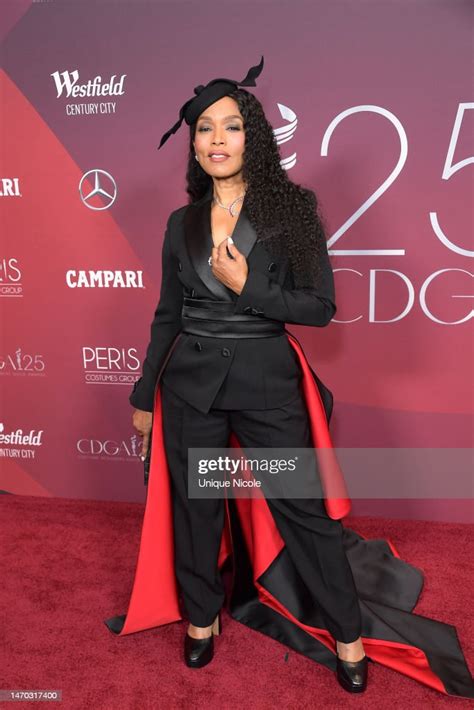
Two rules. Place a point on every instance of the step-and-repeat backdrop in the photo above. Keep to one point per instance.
(372, 107)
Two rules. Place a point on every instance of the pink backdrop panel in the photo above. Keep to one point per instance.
(377, 106)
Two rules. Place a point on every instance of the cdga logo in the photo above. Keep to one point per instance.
(125, 449)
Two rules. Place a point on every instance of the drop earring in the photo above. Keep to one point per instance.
(196, 157)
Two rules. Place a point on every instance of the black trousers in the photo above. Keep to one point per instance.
(313, 540)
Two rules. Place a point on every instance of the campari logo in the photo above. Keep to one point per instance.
(10, 187)
(104, 279)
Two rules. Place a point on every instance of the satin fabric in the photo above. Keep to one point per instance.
(266, 593)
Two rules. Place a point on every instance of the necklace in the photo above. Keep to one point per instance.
(229, 209)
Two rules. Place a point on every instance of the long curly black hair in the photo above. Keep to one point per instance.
(286, 216)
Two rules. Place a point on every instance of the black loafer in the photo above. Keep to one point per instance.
(352, 675)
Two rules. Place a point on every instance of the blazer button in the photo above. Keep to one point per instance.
(180, 266)
(198, 346)
(272, 266)
(225, 352)
(247, 309)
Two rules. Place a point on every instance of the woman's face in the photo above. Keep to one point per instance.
(220, 130)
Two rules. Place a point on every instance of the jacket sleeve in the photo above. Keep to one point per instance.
(165, 326)
(263, 296)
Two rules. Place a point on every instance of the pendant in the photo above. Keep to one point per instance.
(230, 208)
(233, 203)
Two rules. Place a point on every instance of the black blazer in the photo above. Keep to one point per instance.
(255, 373)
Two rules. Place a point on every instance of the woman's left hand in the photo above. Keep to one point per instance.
(231, 272)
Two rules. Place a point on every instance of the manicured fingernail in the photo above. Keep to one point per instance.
(230, 240)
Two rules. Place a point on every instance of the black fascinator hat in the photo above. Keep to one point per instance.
(206, 95)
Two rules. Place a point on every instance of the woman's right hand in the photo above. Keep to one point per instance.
(142, 422)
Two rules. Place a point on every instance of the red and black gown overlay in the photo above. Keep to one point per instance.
(267, 593)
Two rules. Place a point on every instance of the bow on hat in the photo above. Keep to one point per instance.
(206, 95)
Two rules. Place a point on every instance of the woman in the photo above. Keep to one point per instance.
(224, 363)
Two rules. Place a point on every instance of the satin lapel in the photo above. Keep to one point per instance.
(198, 237)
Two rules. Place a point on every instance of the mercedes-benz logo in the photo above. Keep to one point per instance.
(100, 183)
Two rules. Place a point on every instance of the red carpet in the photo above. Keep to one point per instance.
(67, 564)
